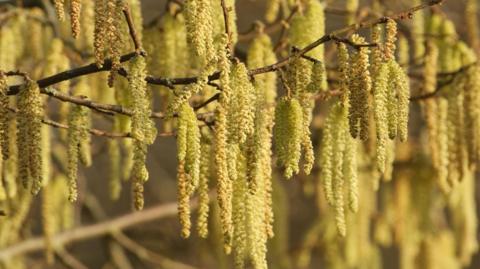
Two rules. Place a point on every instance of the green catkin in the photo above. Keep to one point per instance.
(188, 172)
(400, 81)
(377, 55)
(273, 7)
(204, 199)
(350, 172)
(75, 10)
(380, 88)
(351, 6)
(442, 143)
(360, 86)
(288, 135)
(29, 121)
(113, 21)
(84, 149)
(390, 39)
(224, 183)
(242, 108)
(4, 116)
(59, 8)
(317, 81)
(338, 176)
(143, 130)
(199, 22)
(76, 119)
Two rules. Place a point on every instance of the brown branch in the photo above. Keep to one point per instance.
(131, 29)
(92, 231)
(226, 20)
(208, 101)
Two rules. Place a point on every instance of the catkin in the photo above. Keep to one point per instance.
(288, 135)
(4, 116)
(143, 130)
(100, 31)
(204, 199)
(380, 89)
(59, 8)
(29, 121)
(242, 105)
(360, 86)
(401, 83)
(75, 10)
(199, 22)
(471, 19)
(76, 120)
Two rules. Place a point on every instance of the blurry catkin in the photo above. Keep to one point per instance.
(4, 116)
(85, 156)
(76, 119)
(351, 172)
(360, 86)
(471, 17)
(139, 173)
(59, 8)
(75, 10)
(29, 121)
(401, 83)
(326, 159)
(288, 135)
(113, 34)
(242, 106)
(380, 88)
(273, 7)
(351, 6)
(183, 200)
(204, 199)
(338, 176)
(418, 32)
(442, 143)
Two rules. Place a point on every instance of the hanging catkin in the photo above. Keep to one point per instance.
(143, 130)
(4, 116)
(360, 86)
(59, 8)
(203, 187)
(224, 183)
(29, 121)
(288, 135)
(199, 22)
(75, 10)
(76, 121)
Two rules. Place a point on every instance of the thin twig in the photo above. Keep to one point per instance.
(208, 101)
(69, 260)
(285, 25)
(131, 29)
(226, 20)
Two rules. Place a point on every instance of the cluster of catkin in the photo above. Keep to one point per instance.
(373, 86)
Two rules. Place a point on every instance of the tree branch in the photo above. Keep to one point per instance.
(92, 231)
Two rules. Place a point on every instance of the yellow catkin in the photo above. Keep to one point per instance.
(399, 100)
(317, 81)
(338, 148)
(59, 8)
(260, 54)
(380, 88)
(351, 172)
(204, 200)
(390, 39)
(199, 22)
(4, 116)
(351, 6)
(100, 31)
(326, 164)
(29, 121)
(143, 130)
(242, 106)
(75, 10)
(183, 200)
(273, 7)
(75, 121)
(471, 19)
(288, 135)
(360, 86)
(114, 37)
